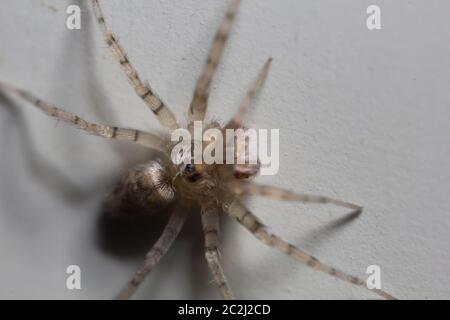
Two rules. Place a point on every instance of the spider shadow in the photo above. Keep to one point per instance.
(129, 238)
(316, 237)
(132, 239)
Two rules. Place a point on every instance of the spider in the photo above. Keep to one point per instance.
(185, 188)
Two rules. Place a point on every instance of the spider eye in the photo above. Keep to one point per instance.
(189, 168)
(190, 173)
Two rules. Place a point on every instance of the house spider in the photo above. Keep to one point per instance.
(161, 184)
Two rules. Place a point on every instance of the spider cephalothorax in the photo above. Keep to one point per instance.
(153, 186)
(164, 184)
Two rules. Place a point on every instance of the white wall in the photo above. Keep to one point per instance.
(363, 116)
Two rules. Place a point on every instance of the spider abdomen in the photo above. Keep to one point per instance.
(144, 190)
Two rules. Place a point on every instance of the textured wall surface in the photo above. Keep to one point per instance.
(363, 116)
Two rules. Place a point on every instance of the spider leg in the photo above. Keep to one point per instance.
(158, 107)
(249, 188)
(155, 254)
(141, 137)
(199, 103)
(236, 121)
(259, 230)
(210, 223)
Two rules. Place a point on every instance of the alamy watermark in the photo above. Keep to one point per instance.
(374, 279)
(229, 146)
(73, 21)
(73, 281)
(373, 21)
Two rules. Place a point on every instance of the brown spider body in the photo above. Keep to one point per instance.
(162, 184)
(154, 186)
(144, 190)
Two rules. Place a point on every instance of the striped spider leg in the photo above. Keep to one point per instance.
(155, 104)
(199, 103)
(237, 120)
(159, 249)
(196, 112)
(248, 220)
(246, 188)
(210, 224)
(110, 132)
